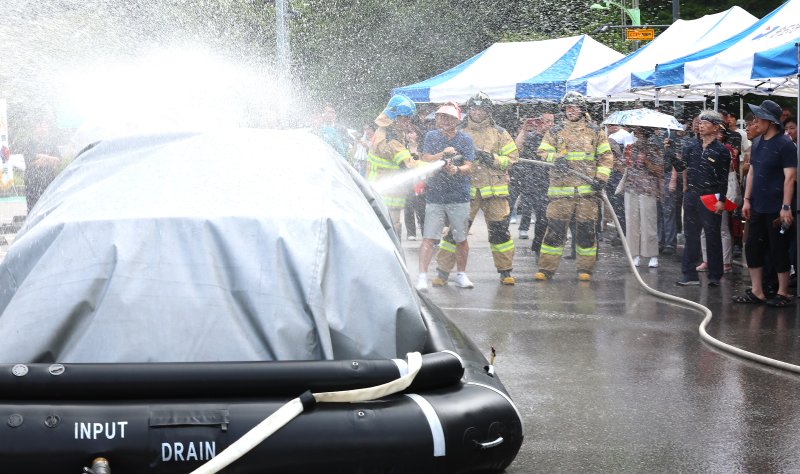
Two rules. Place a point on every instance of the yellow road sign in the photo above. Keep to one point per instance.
(638, 34)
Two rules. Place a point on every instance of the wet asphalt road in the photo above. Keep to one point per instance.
(611, 379)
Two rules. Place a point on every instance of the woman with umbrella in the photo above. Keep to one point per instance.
(644, 173)
(644, 160)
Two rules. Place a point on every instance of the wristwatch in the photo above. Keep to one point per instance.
(786, 207)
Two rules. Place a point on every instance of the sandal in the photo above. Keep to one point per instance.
(748, 298)
(780, 301)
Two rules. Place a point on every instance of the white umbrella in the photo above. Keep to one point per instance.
(643, 118)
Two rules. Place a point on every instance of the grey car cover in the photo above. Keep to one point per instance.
(236, 245)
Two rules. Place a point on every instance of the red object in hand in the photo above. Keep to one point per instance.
(419, 188)
(710, 201)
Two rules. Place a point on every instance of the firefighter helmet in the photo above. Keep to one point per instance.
(400, 105)
(480, 100)
(573, 98)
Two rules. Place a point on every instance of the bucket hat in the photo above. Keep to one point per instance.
(768, 110)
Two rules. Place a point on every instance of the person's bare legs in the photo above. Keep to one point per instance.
(426, 255)
(783, 283)
(755, 279)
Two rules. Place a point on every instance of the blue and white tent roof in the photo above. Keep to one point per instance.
(508, 72)
(637, 70)
(760, 59)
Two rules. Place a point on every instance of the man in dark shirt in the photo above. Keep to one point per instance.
(707, 162)
(769, 204)
(447, 192)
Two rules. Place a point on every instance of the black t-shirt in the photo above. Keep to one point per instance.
(768, 158)
(707, 168)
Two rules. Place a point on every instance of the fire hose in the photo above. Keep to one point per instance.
(681, 301)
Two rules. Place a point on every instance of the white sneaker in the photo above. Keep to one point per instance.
(523, 234)
(513, 220)
(636, 261)
(653, 262)
(422, 282)
(462, 281)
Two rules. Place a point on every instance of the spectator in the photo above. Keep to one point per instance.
(790, 125)
(769, 205)
(362, 147)
(706, 161)
(786, 112)
(725, 228)
(642, 190)
(617, 171)
(531, 180)
(447, 194)
(671, 191)
(334, 134)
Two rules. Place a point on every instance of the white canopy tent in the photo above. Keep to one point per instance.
(516, 71)
(623, 79)
(761, 59)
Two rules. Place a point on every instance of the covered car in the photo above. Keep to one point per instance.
(236, 245)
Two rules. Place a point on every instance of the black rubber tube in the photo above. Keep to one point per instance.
(213, 380)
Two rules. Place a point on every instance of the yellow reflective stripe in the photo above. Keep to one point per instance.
(604, 171)
(489, 191)
(550, 157)
(503, 162)
(603, 147)
(504, 247)
(546, 147)
(394, 201)
(586, 251)
(401, 155)
(546, 249)
(557, 191)
(378, 162)
(447, 246)
(579, 156)
(509, 148)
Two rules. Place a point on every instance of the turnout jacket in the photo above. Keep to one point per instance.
(586, 149)
(387, 155)
(491, 181)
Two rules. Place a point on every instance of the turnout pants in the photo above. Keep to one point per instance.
(495, 211)
(559, 214)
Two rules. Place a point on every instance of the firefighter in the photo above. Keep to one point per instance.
(495, 151)
(577, 146)
(389, 154)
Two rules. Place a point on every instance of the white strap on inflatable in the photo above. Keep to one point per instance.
(433, 421)
(289, 411)
(252, 438)
(378, 391)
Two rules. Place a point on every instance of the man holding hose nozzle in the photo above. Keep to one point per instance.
(576, 147)
(495, 151)
(447, 192)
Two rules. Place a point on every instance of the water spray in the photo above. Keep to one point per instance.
(424, 168)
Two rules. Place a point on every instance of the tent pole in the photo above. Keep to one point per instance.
(741, 110)
(658, 89)
(716, 97)
(797, 181)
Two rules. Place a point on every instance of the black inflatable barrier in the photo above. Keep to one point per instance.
(171, 418)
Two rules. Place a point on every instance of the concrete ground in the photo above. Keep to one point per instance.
(611, 379)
